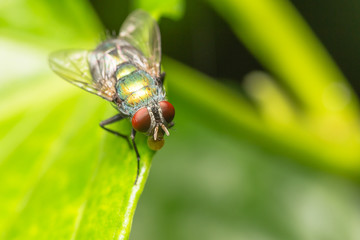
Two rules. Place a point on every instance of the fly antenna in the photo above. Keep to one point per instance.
(156, 132)
(165, 130)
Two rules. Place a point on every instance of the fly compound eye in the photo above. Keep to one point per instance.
(141, 120)
(168, 111)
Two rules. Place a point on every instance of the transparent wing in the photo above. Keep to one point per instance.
(87, 70)
(141, 41)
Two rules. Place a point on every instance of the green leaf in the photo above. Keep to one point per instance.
(66, 177)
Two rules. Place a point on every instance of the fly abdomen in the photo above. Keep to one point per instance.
(124, 70)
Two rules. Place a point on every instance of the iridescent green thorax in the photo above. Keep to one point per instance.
(136, 88)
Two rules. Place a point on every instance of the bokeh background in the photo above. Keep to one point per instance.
(266, 143)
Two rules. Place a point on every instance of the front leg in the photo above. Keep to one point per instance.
(133, 133)
(170, 125)
(113, 119)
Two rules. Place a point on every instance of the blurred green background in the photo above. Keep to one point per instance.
(266, 143)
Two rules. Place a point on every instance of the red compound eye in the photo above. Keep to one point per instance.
(168, 111)
(141, 120)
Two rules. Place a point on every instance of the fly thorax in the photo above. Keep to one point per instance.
(135, 89)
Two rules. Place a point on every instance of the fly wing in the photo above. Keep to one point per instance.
(141, 43)
(90, 71)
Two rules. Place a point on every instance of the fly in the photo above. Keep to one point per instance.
(125, 71)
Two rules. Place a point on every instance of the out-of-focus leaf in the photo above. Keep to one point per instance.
(50, 24)
(327, 116)
(278, 36)
(226, 110)
(170, 8)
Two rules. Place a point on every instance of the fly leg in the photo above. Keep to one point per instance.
(170, 125)
(113, 119)
(133, 133)
(162, 78)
